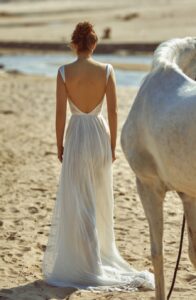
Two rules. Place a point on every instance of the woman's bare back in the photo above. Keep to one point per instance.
(85, 82)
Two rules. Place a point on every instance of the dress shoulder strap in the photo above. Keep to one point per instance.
(62, 71)
(108, 70)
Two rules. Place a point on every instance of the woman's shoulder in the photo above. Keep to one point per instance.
(64, 66)
(61, 70)
(102, 63)
(108, 66)
(103, 66)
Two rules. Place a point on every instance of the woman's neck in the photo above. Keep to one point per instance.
(84, 56)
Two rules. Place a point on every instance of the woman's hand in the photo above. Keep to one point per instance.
(60, 153)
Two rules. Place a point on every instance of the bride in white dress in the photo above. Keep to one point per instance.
(81, 251)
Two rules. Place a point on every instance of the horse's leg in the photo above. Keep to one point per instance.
(152, 200)
(190, 214)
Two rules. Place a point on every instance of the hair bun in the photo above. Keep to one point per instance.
(84, 28)
(84, 36)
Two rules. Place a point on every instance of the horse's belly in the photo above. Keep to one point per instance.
(175, 158)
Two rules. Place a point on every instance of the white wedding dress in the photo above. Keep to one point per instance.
(81, 251)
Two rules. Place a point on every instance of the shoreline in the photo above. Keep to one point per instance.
(102, 48)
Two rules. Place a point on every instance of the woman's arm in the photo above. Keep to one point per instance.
(112, 110)
(61, 109)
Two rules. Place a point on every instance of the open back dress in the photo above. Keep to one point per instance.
(81, 251)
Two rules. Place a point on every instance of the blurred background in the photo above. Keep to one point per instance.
(33, 44)
(34, 34)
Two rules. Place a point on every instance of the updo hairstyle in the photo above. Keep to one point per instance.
(84, 36)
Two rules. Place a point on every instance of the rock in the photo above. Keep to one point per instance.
(107, 33)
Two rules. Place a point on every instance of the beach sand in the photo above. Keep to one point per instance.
(29, 177)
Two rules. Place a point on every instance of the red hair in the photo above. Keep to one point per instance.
(84, 36)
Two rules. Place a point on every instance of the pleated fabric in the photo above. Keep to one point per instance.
(81, 251)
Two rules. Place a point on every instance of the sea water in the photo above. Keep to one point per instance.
(47, 64)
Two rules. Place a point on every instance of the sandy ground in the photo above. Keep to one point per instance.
(130, 21)
(30, 170)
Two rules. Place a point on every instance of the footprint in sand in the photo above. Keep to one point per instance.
(26, 248)
(7, 112)
(41, 246)
(40, 232)
(14, 210)
(18, 222)
(12, 236)
(33, 210)
(19, 254)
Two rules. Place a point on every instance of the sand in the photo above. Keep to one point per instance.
(29, 175)
(129, 21)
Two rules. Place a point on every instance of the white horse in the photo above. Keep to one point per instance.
(158, 139)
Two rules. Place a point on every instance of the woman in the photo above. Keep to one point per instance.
(81, 250)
